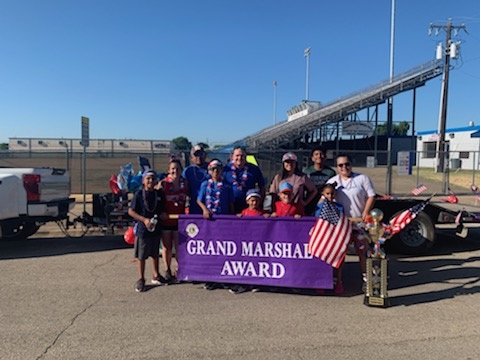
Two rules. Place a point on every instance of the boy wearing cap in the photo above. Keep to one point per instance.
(254, 202)
(285, 206)
(195, 174)
(147, 204)
(215, 196)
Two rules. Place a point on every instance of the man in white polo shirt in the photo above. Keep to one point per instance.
(356, 193)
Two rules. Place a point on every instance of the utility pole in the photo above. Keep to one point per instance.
(442, 164)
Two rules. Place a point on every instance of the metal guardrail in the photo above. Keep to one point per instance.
(338, 109)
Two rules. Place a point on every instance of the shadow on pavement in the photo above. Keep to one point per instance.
(459, 274)
(40, 247)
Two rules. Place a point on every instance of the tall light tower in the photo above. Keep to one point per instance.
(306, 53)
(390, 103)
(274, 102)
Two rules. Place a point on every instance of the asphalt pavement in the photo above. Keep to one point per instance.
(73, 298)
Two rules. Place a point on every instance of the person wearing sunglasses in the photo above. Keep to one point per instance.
(356, 193)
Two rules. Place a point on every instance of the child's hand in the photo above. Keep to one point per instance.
(239, 215)
(274, 214)
(206, 214)
(296, 216)
(266, 215)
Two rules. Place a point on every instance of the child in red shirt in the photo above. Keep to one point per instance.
(254, 202)
(285, 206)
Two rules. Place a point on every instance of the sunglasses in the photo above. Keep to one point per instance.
(216, 168)
(347, 164)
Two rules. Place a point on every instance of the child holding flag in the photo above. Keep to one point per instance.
(328, 196)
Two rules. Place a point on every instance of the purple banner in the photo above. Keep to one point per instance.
(250, 250)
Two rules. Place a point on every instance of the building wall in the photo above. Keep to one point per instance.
(95, 145)
(460, 143)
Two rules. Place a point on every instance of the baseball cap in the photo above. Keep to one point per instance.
(197, 148)
(289, 156)
(149, 173)
(214, 163)
(253, 193)
(286, 187)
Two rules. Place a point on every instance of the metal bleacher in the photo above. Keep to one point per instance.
(283, 133)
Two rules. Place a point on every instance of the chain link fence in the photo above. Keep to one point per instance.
(461, 173)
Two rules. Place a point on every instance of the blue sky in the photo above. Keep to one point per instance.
(157, 69)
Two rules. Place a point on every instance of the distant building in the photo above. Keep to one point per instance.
(462, 145)
(95, 145)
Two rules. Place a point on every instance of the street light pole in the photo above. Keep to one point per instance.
(390, 104)
(306, 53)
(274, 102)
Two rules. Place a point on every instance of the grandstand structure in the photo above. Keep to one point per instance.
(310, 125)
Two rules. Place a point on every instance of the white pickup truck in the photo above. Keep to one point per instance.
(31, 197)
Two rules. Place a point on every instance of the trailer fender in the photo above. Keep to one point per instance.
(417, 237)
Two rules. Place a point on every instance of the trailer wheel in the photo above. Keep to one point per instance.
(417, 237)
(19, 231)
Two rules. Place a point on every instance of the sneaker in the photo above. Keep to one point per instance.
(237, 289)
(339, 289)
(211, 286)
(159, 280)
(170, 278)
(140, 285)
(256, 289)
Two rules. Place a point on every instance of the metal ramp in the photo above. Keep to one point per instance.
(283, 133)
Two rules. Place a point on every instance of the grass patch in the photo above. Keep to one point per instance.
(461, 178)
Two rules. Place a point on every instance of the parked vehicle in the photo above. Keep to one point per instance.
(31, 197)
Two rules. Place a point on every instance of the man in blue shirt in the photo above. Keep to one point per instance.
(242, 176)
(195, 174)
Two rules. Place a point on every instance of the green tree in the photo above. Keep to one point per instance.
(182, 143)
(401, 128)
(4, 146)
(205, 146)
(397, 129)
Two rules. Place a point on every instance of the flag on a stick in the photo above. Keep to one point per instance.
(331, 235)
(419, 189)
(399, 222)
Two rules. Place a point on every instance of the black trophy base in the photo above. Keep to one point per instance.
(376, 301)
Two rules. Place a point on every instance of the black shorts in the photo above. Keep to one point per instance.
(147, 247)
(170, 228)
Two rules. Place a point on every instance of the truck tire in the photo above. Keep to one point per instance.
(19, 231)
(417, 237)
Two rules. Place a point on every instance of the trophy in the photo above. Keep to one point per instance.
(376, 282)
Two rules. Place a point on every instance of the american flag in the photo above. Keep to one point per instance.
(330, 236)
(419, 189)
(399, 222)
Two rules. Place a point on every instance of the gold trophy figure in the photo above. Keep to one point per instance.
(376, 286)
